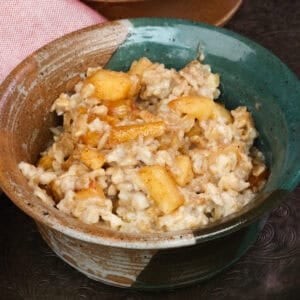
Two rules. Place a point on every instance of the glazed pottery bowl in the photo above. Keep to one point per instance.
(250, 76)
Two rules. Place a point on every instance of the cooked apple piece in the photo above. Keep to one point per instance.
(185, 175)
(119, 109)
(91, 138)
(92, 158)
(113, 121)
(195, 131)
(94, 191)
(139, 66)
(91, 117)
(122, 134)
(147, 116)
(82, 110)
(111, 85)
(135, 86)
(198, 107)
(161, 187)
(108, 119)
(55, 191)
(45, 162)
(220, 111)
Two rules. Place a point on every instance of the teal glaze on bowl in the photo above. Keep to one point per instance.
(250, 75)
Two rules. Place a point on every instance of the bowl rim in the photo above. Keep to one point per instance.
(165, 239)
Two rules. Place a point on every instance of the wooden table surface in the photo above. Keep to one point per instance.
(270, 269)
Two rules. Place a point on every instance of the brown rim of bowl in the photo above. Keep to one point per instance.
(98, 234)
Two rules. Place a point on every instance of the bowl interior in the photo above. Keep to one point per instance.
(250, 75)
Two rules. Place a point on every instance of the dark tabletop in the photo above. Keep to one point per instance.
(270, 269)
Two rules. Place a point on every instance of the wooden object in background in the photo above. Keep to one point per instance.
(216, 12)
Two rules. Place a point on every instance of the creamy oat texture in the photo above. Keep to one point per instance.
(149, 150)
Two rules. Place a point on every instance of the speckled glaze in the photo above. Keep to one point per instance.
(250, 76)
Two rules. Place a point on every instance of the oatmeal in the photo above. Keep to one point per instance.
(149, 150)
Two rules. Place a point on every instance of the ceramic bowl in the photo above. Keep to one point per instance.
(250, 76)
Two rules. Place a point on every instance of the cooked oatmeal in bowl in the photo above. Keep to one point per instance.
(150, 150)
(142, 154)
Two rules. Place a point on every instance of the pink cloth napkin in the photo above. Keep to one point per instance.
(26, 25)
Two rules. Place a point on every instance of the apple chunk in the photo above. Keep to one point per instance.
(198, 107)
(184, 165)
(138, 67)
(161, 187)
(92, 158)
(111, 85)
(220, 111)
(94, 191)
(122, 134)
